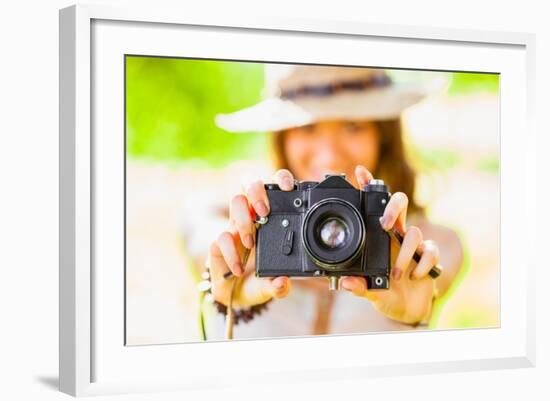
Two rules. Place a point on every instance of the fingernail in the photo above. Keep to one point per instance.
(362, 176)
(249, 241)
(238, 269)
(279, 285)
(383, 223)
(261, 208)
(287, 183)
(396, 273)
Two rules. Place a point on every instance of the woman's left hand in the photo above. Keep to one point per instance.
(409, 299)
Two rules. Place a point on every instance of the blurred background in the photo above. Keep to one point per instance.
(176, 156)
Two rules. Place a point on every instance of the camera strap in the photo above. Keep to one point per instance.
(434, 272)
(236, 281)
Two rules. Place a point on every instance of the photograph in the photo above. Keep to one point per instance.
(274, 200)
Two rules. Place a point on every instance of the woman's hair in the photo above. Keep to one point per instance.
(393, 166)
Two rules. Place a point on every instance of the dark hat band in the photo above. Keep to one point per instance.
(376, 81)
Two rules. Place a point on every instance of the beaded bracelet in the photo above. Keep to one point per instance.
(245, 315)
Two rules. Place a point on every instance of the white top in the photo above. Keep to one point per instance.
(295, 314)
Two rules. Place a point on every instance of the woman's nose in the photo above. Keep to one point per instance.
(329, 152)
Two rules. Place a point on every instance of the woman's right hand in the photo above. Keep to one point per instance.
(227, 251)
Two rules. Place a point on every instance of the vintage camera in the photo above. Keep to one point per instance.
(325, 228)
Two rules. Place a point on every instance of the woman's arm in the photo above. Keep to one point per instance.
(450, 249)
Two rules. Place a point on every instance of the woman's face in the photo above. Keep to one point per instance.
(335, 146)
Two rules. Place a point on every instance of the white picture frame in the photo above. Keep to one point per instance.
(93, 358)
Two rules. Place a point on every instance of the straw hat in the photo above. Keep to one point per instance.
(296, 95)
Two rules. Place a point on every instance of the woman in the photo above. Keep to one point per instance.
(335, 120)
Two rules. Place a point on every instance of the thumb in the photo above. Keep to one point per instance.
(357, 286)
(256, 290)
(280, 286)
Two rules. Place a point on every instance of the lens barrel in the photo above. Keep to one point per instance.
(333, 233)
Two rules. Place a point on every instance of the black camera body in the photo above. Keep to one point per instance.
(325, 228)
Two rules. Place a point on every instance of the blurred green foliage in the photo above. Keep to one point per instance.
(171, 104)
(460, 83)
(466, 83)
(489, 164)
(437, 158)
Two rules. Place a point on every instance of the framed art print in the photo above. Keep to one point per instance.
(323, 190)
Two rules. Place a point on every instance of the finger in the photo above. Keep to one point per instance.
(354, 284)
(411, 241)
(221, 287)
(280, 286)
(216, 262)
(357, 286)
(363, 175)
(395, 214)
(256, 291)
(239, 214)
(284, 179)
(430, 257)
(257, 197)
(228, 249)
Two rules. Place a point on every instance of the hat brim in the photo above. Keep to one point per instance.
(275, 114)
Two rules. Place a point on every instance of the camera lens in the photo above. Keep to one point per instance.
(333, 233)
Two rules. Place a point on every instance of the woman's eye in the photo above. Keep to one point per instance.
(308, 128)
